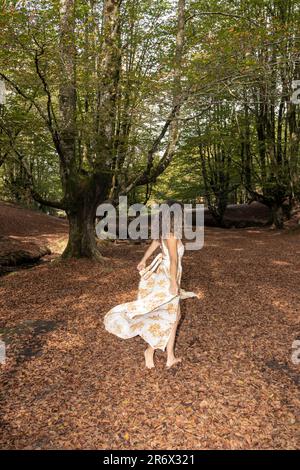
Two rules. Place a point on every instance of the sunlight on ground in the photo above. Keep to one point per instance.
(281, 263)
(58, 246)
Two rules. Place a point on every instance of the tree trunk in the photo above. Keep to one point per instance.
(218, 214)
(82, 238)
(84, 197)
(85, 190)
(277, 216)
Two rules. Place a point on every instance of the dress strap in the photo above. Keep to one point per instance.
(146, 273)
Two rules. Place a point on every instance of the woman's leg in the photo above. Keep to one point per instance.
(171, 359)
(149, 357)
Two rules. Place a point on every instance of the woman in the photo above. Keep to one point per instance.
(156, 312)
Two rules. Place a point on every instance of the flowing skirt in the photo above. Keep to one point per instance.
(152, 315)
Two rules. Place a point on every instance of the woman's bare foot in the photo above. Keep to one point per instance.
(149, 353)
(171, 362)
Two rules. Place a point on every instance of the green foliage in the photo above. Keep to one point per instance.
(240, 60)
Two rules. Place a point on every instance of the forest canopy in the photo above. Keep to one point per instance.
(189, 99)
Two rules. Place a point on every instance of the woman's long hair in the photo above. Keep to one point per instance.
(170, 219)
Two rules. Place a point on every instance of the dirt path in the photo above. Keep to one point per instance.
(69, 384)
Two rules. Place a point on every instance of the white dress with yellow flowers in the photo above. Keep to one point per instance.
(154, 312)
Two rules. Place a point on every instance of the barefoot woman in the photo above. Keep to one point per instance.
(155, 314)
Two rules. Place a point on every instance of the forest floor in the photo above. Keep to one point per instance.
(67, 383)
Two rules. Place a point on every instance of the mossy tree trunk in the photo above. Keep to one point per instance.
(84, 199)
(86, 181)
(277, 215)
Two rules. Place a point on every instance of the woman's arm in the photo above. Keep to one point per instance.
(172, 247)
(155, 244)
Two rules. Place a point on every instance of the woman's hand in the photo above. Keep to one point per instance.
(174, 287)
(141, 265)
(149, 251)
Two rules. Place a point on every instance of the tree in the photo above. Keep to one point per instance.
(247, 64)
(81, 112)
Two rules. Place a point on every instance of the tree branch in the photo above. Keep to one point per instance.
(50, 110)
(54, 132)
(24, 95)
(36, 196)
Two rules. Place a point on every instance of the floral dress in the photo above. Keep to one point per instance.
(154, 313)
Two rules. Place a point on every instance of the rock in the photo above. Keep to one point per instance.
(15, 251)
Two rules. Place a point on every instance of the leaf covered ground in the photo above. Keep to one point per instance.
(67, 383)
